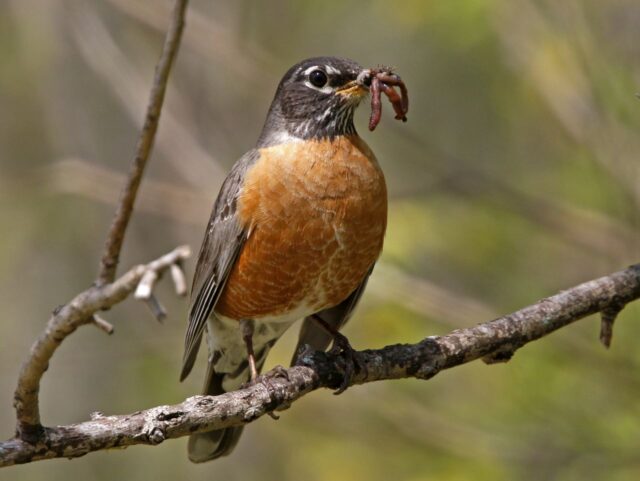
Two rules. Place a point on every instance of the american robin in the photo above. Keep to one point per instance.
(295, 231)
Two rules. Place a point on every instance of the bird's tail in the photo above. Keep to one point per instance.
(213, 444)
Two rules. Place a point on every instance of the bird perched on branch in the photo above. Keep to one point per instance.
(294, 234)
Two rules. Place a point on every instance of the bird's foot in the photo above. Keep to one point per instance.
(342, 347)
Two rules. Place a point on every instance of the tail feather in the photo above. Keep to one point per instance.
(213, 444)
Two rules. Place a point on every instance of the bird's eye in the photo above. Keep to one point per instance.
(318, 78)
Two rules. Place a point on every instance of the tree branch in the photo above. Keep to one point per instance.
(106, 292)
(65, 320)
(492, 341)
(115, 238)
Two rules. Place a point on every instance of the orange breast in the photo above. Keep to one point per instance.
(316, 212)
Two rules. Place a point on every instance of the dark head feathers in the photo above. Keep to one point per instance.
(313, 100)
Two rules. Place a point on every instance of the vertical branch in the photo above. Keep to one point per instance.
(115, 237)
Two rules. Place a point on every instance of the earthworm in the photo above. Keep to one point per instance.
(376, 107)
(382, 80)
(396, 101)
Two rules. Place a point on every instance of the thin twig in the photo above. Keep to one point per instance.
(102, 324)
(318, 369)
(145, 286)
(179, 280)
(115, 237)
(607, 318)
(157, 309)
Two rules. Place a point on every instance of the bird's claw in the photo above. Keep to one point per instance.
(342, 347)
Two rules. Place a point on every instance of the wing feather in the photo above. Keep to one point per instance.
(220, 249)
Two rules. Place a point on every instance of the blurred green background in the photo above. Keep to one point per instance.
(516, 176)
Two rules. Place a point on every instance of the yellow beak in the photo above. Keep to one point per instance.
(353, 89)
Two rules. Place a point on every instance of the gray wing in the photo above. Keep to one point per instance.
(316, 336)
(221, 246)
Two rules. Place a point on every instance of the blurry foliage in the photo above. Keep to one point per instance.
(516, 175)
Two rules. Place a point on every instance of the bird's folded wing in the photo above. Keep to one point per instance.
(220, 249)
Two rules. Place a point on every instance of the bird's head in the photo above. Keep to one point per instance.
(316, 98)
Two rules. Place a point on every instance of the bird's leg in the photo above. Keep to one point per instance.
(247, 326)
(337, 336)
(341, 345)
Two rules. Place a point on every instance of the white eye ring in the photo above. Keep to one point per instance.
(325, 69)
